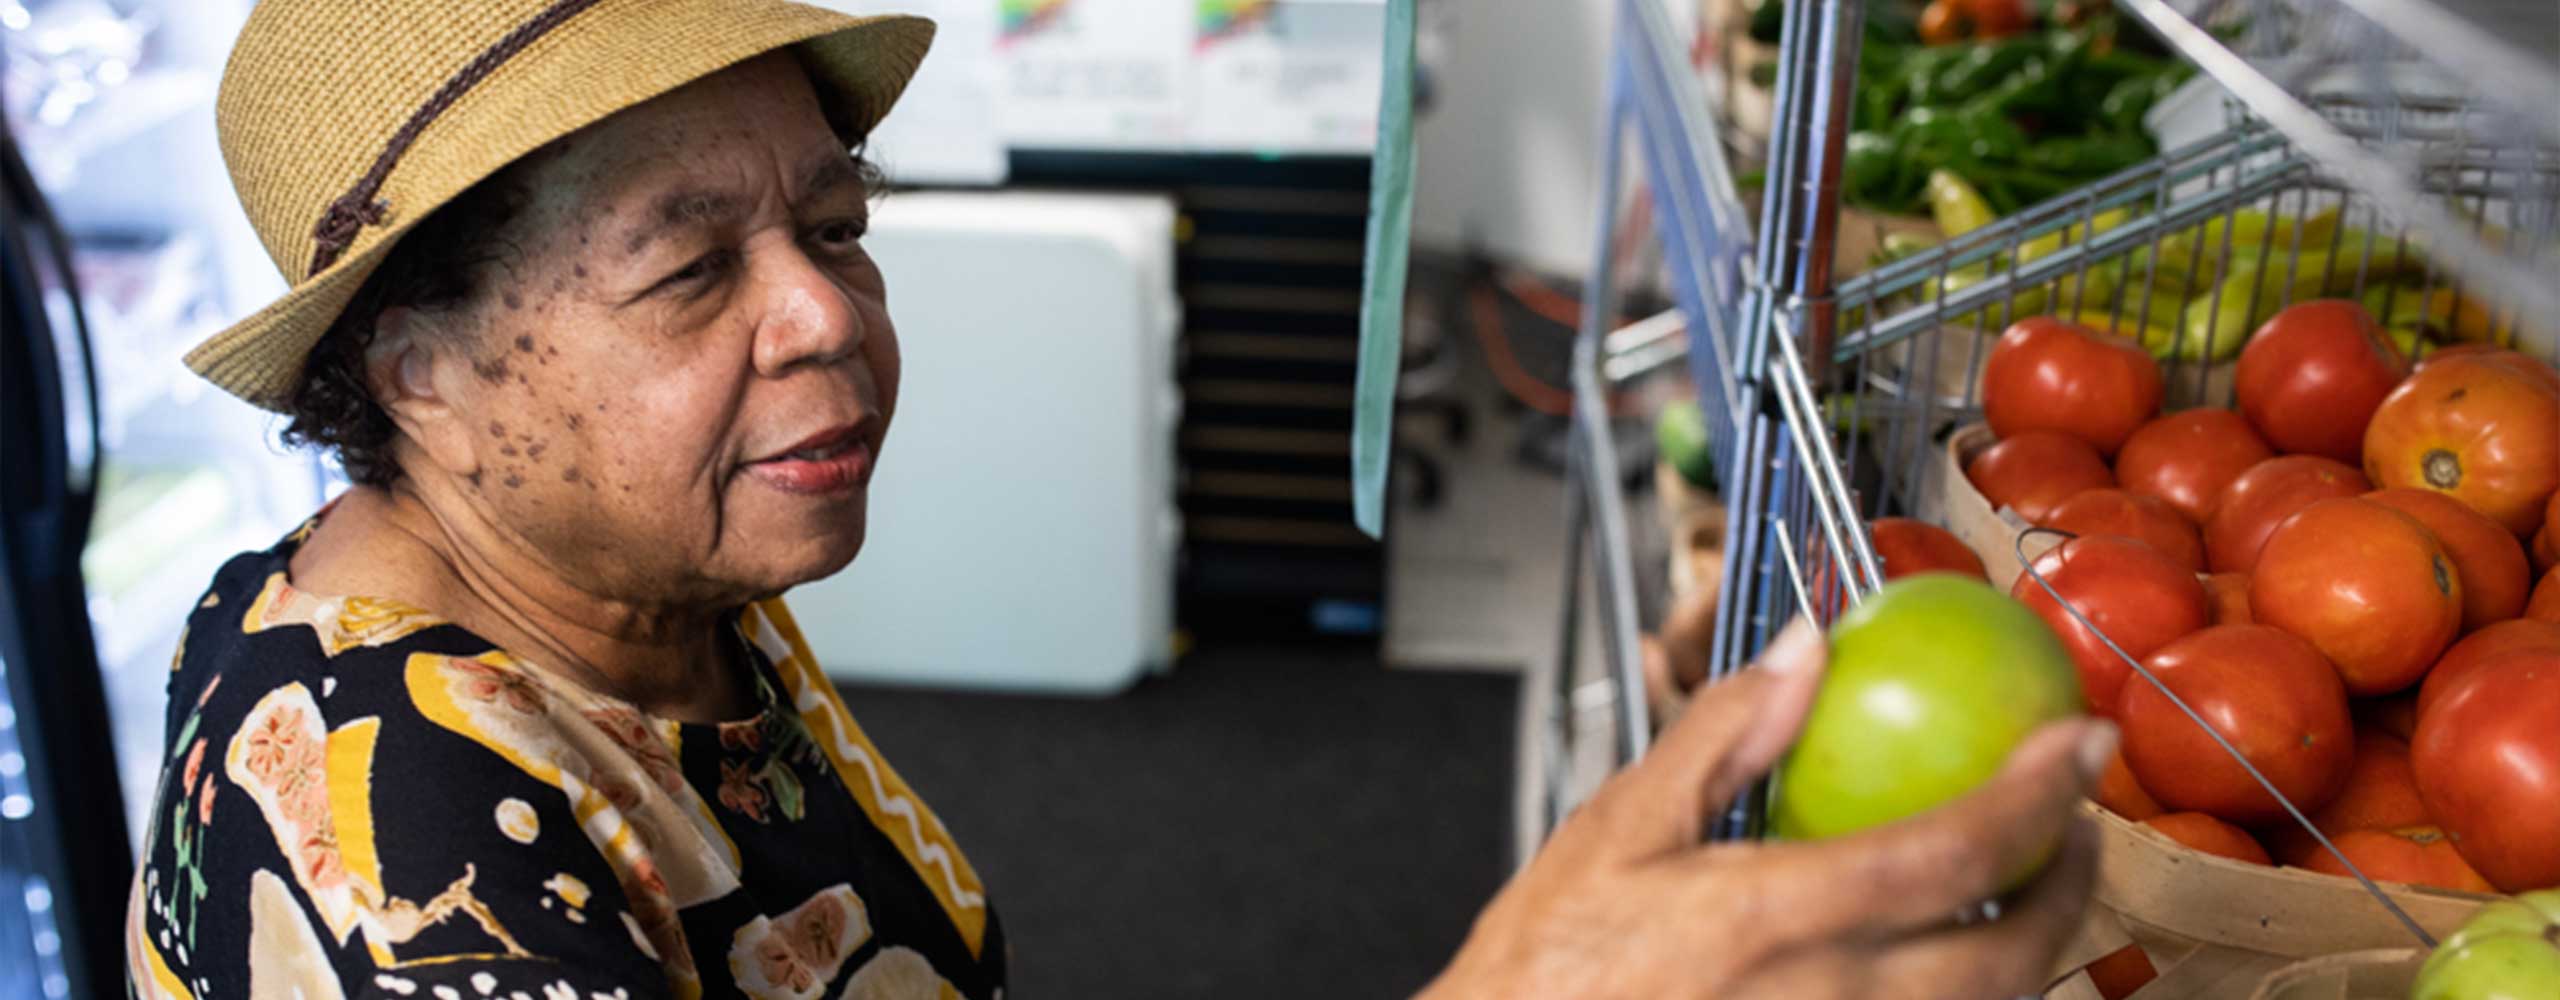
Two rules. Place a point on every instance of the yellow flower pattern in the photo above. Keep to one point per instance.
(362, 798)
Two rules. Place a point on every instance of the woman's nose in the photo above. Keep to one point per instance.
(809, 317)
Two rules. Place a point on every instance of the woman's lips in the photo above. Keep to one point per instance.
(834, 469)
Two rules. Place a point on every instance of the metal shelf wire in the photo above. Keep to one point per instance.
(1859, 384)
(1656, 108)
(1831, 400)
(2372, 90)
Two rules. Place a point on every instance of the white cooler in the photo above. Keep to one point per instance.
(1022, 523)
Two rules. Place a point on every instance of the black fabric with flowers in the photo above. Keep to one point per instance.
(363, 800)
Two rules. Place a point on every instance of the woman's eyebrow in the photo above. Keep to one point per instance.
(828, 172)
(685, 208)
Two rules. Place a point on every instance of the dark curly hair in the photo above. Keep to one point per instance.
(441, 263)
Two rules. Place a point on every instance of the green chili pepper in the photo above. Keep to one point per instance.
(2126, 102)
(1868, 165)
(2087, 156)
(1983, 66)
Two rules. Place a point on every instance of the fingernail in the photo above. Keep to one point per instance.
(1797, 647)
(2097, 744)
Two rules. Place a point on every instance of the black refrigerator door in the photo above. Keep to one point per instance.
(64, 863)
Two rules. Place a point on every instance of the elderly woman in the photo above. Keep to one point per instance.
(582, 307)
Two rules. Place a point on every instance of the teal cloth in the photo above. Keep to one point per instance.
(1382, 281)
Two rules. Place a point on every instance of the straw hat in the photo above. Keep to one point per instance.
(345, 122)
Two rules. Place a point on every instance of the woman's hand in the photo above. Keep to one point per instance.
(1624, 900)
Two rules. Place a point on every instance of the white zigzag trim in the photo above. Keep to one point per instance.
(811, 701)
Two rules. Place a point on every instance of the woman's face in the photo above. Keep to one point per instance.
(675, 381)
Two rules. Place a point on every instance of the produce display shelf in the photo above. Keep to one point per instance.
(2374, 90)
(2339, 167)
(1657, 110)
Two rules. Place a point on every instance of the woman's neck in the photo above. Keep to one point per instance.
(396, 542)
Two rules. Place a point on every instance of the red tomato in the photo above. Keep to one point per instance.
(2544, 606)
(2229, 594)
(2546, 542)
(2132, 592)
(1996, 18)
(1941, 23)
(2053, 375)
(2369, 586)
(2263, 497)
(2121, 794)
(2379, 794)
(2487, 558)
(2210, 835)
(2473, 428)
(2487, 759)
(2267, 692)
(2419, 855)
(2540, 373)
(2036, 471)
(1906, 547)
(2146, 519)
(2395, 716)
(2188, 457)
(2123, 971)
(2499, 643)
(2311, 377)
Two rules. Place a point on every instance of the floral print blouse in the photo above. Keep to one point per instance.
(364, 801)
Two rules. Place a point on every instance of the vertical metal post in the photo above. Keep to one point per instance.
(1598, 470)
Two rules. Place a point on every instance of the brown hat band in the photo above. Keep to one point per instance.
(358, 208)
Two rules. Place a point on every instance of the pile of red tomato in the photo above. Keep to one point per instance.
(2339, 576)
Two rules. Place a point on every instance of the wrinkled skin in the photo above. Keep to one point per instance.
(685, 295)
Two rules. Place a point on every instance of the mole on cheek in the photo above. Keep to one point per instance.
(534, 451)
(524, 343)
(569, 475)
(573, 421)
(507, 450)
(580, 269)
(491, 371)
(513, 300)
(497, 430)
(513, 481)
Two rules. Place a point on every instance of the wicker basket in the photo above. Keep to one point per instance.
(2376, 974)
(2218, 929)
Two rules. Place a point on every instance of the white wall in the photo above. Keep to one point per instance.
(1509, 155)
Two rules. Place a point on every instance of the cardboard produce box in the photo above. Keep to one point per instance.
(2218, 929)
(2376, 974)
(1693, 519)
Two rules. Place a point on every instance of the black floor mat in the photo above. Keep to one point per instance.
(1260, 823)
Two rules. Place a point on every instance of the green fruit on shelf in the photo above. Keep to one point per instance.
(1680, 432)
(2218, 321)
(1955, 205)
(2510, 950)
(1933, 680)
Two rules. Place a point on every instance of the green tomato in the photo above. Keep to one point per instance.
(1680, 431)
(2510, 950)
(1933, 680)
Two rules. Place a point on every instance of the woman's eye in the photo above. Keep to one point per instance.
(701, 269)
(839, 233)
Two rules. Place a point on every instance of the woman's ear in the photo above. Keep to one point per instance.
(410, 373)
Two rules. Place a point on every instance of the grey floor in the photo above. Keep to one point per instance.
(1266, 822)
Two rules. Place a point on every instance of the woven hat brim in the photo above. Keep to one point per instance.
(860, 65)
